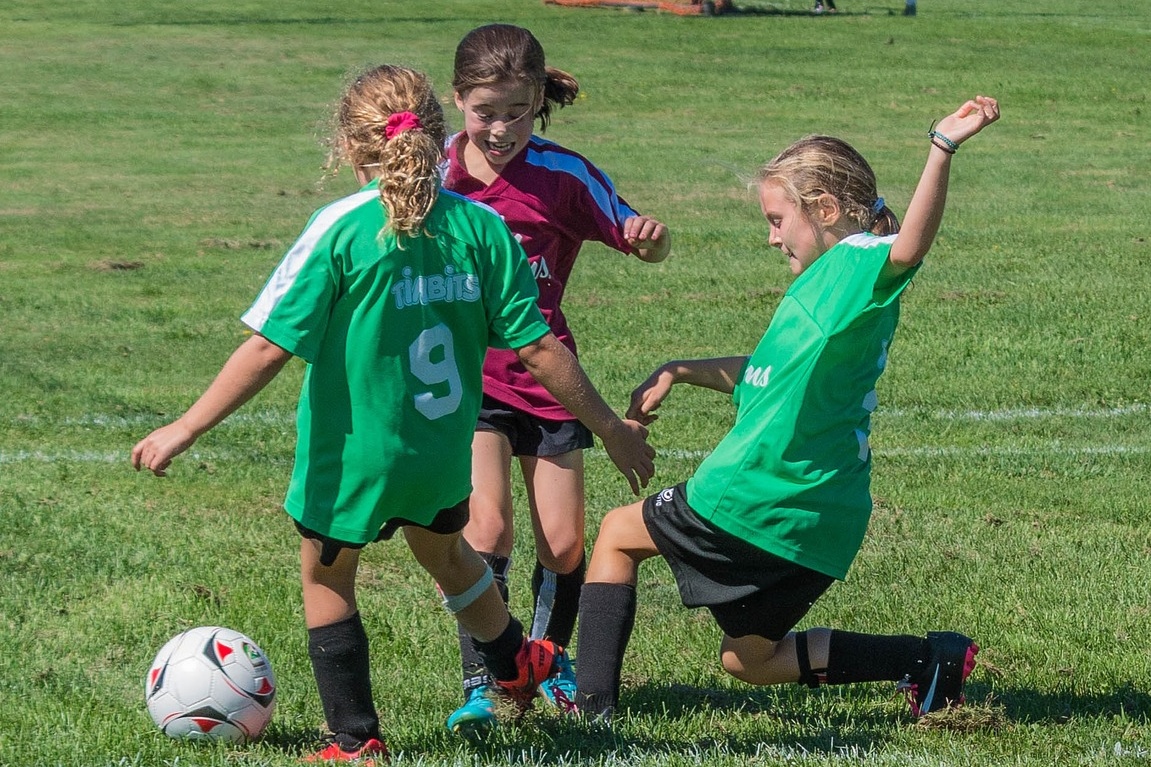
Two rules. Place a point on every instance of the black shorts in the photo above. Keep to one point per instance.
(446, 521)
(531, 435)
(747, 590)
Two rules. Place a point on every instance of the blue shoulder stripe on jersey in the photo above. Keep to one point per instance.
(551, 156)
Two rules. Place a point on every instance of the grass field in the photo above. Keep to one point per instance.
(157, 158)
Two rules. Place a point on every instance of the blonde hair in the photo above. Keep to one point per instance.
(499, 53)
(818, 165)
(409, 160)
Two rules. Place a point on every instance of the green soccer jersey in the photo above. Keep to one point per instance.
(793, 475)
(394, 337)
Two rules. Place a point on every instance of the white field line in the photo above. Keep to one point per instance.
(285, 419)
(1055, 449)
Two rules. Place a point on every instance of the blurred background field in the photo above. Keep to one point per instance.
(156, 159)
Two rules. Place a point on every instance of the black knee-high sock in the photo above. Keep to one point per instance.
(606, 619)
(871, 657)
(475, 674)
(339, 655)
(499, 655)
(556, 599)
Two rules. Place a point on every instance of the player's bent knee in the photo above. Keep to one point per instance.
(616, 527)
(748, 659)
(733, 664)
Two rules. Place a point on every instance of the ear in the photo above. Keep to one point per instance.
(362, 175)
(827, 211)
(459, 100)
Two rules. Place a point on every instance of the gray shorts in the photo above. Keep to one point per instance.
(747, 590)
(532, 436)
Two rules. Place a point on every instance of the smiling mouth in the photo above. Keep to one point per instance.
(499, 148)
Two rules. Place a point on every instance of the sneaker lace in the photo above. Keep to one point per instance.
(565, 704)
(910, 692)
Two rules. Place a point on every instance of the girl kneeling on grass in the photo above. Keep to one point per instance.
(393, 295)
(778, 511)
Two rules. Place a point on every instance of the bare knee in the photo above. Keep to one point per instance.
(489, 527)
(623, 543)
(750, 659)
(617, 526)
(563, 555)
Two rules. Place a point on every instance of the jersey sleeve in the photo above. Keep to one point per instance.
(293, 308)
(604, 210)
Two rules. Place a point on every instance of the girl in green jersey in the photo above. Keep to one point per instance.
(392, 295)
(777, 512)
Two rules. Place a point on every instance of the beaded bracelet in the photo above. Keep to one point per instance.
(939, 145)
(948, 145)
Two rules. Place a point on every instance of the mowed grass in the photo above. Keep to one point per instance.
(157, 158)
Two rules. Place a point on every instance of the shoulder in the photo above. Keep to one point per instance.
(462, 214)
(867, 242)
(547, 155)
(856, 253)
(455, 204)
(361, 205)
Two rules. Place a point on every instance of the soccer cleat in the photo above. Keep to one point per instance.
(535, 660)
(939, 683)
(362, 756)
(559, 689)
(477, 714)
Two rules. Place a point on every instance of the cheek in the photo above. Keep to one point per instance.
(523, 129)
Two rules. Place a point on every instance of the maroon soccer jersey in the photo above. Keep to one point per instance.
(553, 200)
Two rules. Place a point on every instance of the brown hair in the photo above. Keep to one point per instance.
(818, 165)
(499, 53)
(408, 161)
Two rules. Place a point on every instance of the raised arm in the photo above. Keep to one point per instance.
(558, 371)
(250, 368)
(925, 211)
(719, 373)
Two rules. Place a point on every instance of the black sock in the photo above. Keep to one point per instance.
(339, 655)
(870, 657)
(606, 619)
(556, 599)
(475, 674)
(499, 655)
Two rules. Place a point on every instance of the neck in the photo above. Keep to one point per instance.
(476, 163)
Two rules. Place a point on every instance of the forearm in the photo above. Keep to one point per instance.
(718, 373)
(558, 371)
(924, 212)
(250, 368)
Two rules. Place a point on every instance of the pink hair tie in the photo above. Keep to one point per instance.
(400, 122)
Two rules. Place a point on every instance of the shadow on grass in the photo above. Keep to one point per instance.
(812, 727)
(1029, 706)
(545, 737)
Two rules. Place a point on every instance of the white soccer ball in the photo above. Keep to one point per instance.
(211, 683)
